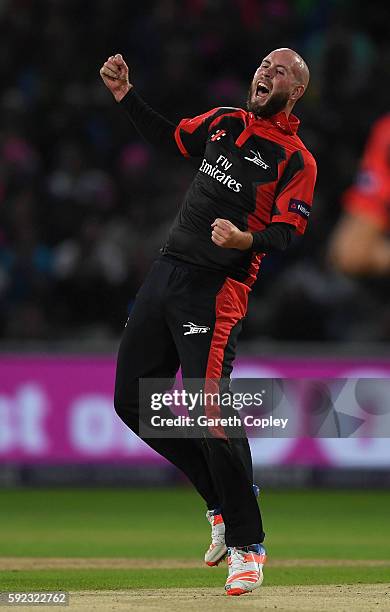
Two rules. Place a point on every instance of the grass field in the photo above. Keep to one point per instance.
(134, 540)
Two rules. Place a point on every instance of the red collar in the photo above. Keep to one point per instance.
(280, 120)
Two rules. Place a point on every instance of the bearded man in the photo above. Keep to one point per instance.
(253, 190)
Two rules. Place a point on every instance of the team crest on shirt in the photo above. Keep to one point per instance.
(218, 135)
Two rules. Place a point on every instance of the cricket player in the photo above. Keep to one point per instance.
(360, 245)
(252, 192)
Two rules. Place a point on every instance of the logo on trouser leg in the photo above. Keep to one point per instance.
(192, 328)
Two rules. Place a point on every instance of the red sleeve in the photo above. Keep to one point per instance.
(191, 134)
(370, 195)
(296, 188)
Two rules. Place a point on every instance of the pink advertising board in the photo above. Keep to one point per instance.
(59, 409)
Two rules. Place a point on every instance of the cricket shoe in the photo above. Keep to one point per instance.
(245, 566)
(217, 550)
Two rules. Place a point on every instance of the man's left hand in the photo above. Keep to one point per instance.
(228, 236)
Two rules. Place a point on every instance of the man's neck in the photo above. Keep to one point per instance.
(287, 111)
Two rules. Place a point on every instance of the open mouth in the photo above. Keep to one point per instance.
(262, 90)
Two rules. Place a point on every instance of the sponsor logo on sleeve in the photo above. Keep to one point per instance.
(367, 181)
(299, 207)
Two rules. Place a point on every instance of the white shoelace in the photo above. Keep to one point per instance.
(237, 561)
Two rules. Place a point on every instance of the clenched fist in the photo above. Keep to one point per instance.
(228, 236)
(115, 75)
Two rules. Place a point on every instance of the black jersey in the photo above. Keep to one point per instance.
(253, 172)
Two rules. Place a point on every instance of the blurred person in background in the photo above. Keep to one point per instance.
(360, 245)
(253, 191)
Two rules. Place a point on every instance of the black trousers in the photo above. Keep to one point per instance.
(157, 340)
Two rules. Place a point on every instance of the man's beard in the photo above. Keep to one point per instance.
(276, 103)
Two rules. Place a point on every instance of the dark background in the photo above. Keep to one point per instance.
(85, 203)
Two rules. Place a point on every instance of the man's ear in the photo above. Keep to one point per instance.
(297, 92)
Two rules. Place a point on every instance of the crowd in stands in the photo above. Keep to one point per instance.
(86, 203)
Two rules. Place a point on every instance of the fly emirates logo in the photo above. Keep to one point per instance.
(219, 172)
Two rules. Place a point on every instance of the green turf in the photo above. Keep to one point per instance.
(181, 578)
(170, 523)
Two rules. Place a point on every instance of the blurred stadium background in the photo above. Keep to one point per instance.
(78, 190)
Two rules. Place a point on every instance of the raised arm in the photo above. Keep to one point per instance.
(155, 128)
(187, 138)
(115, 75)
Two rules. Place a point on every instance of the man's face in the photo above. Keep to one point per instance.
(272, 85)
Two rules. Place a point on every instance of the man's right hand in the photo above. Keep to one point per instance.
(115, 75)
